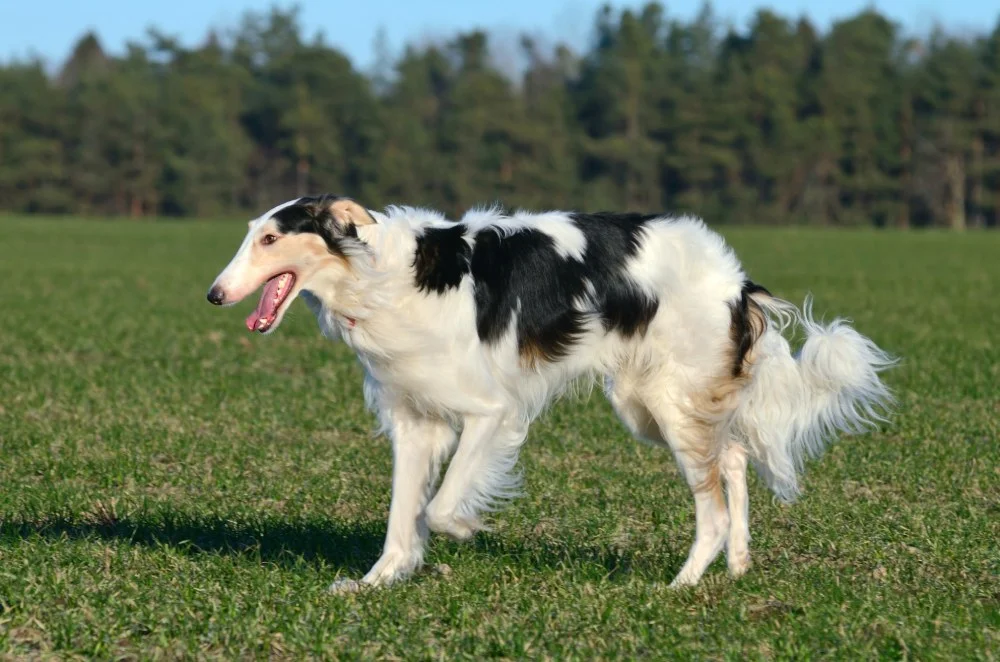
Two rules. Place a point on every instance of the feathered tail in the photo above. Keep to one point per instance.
(794, 405)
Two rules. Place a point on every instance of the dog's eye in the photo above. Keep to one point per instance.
(268, 239)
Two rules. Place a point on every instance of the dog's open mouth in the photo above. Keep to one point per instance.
(276, 291)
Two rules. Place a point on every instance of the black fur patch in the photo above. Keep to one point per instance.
(524, 273)
(612, 239)
(746, 325)
(312, 214)
(441, 259)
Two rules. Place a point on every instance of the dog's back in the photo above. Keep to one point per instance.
(518, 306)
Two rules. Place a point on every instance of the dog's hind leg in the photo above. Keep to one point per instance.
(734, 472)
(480, 475)
(694, 444)
(419, 446)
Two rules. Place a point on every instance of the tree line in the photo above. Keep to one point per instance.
(777, 124)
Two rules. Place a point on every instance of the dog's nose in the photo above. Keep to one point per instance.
(216, 295)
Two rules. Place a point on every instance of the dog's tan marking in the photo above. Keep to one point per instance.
(347, 212)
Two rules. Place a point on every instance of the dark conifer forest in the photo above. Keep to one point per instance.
(862, 125)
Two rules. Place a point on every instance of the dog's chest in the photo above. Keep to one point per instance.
(436, 376)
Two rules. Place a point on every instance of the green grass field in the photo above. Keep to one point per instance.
(171, 485)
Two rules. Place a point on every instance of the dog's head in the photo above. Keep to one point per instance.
(300, 245)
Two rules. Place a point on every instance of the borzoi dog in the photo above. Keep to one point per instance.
(467, 330)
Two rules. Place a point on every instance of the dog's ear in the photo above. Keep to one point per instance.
(347, 212)
(339, 216)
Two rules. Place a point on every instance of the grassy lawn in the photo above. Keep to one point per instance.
(172, 485)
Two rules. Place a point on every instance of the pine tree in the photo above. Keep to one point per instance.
(33, 141)
(207, 150)
(946, 104)
(986, 188)
(617, 98)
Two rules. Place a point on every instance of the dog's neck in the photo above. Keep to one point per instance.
(338, 297)
(365, 307)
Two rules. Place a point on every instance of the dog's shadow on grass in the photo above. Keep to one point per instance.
(351, 547)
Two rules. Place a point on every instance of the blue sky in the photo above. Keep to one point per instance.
(50, 27)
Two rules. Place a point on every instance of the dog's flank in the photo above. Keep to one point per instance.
(467, 330)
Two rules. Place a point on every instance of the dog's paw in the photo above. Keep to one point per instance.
(393, 566)
(453, 526)
(738, 563)
(685, 579)
(342, 586)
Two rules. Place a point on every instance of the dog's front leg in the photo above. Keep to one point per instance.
(480, 475)
(419, 446)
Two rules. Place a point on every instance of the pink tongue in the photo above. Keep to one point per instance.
(267, 306)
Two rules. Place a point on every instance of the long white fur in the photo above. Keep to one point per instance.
(432, 382)
(796, 404)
